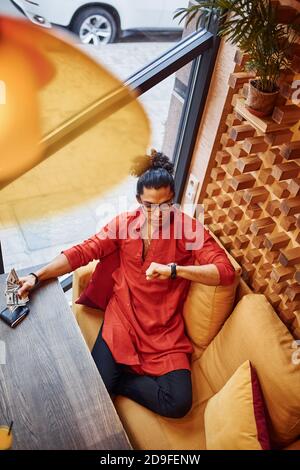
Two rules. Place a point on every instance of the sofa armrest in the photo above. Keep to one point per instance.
(81, 278)
(89, 319)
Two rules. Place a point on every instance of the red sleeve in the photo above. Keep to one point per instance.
(212, 253)
(97, 246)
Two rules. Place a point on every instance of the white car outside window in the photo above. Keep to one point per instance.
(104, 22)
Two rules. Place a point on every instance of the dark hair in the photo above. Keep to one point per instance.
(154, 171)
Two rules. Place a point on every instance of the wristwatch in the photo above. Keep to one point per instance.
(173, 270)
(36, 278)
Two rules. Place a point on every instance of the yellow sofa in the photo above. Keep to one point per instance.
(244, 327)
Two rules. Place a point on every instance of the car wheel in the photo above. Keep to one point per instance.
(95, 26)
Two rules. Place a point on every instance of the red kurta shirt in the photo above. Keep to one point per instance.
(143, 322)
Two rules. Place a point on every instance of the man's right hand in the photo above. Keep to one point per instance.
(27, 283)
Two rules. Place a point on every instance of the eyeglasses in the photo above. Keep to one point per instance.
(163, 206)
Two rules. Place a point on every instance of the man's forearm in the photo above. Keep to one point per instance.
(206, 274)
(59, 266)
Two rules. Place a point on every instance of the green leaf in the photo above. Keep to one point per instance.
(251, 25)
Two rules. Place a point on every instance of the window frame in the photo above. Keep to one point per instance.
(199, 47)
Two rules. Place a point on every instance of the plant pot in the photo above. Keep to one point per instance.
(258, 102)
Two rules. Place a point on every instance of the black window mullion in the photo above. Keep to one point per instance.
(160, 69)
(199, 82)
(1, 261)
(200, 43)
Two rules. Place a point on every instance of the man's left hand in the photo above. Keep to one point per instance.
(158, 271)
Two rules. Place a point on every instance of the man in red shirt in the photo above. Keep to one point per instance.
(142, 350)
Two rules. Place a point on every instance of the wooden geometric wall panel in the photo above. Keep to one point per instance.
(252, 200)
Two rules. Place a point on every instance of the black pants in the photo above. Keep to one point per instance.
(168, 395)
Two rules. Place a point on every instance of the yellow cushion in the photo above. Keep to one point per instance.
(294, 446)
(81, 278)
(149, 431)
(89, 321)
(229, 416)
(254, 331)
(205, 310)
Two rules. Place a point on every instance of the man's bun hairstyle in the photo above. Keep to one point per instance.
(159, 160)
(153, 171)
(150, 162)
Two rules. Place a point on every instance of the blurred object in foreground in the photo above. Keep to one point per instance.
(66, 124)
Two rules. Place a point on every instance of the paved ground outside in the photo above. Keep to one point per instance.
(29, 244)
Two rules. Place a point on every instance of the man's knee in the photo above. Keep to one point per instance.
(179, 406)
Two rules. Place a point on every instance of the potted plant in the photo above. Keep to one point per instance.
(262, 29)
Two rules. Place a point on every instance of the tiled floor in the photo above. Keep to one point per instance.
(27, 244)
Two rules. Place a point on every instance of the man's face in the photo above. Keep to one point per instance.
(149, 200)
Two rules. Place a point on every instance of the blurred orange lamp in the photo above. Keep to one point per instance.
(67, 125)
(23, 70)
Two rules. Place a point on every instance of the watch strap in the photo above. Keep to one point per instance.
(173, 271)
(36, 278)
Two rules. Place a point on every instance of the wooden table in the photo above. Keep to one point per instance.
(50, 386)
